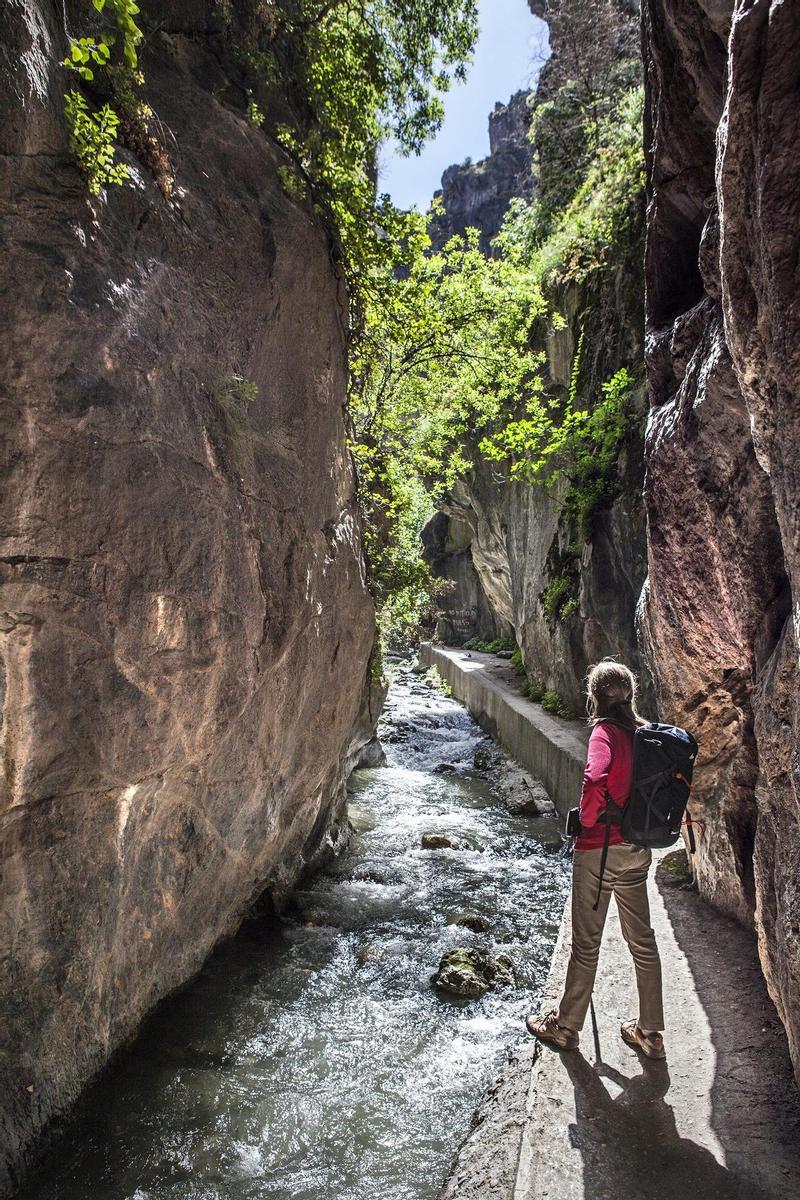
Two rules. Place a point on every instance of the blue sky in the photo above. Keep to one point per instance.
(507, 57)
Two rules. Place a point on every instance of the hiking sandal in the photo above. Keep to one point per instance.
(547, 1029)
(651, 1044)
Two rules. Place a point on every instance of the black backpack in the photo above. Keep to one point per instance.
(663, 761)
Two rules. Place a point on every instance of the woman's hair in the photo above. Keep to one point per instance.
(611, 692)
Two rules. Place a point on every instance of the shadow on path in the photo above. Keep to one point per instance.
(630, 1144)
(755, 1103)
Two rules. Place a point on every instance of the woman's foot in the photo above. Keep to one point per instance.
(547, 1029)
(651, 1044)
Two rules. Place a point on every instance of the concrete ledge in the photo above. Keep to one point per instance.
(552, 749)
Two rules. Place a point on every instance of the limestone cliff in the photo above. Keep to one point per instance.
(185, 626)
(722, 485)
(478, 194)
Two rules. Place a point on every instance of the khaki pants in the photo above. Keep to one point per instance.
(626, 876)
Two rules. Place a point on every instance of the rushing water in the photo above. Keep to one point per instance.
(316, 1062)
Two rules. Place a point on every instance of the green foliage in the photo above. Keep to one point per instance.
(532, 689)
(556, 595)
(113, 54)
(91, 138)
(451, 359)
(553, 704)
(501, 644)
(233, 397)
(88, 52)
(516, 661)
(581, 446)
(570, 126)
(584, 234)
(449, 351)
(434, 678)
(492, 647)
(255, 113)
(357, 72)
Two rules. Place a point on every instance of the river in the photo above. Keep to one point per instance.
(313, 1060)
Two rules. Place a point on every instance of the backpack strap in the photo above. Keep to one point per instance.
(610, 819)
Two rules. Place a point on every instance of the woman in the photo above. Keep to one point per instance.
(611, 705)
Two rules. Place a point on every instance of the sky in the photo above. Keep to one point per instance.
(509, 52)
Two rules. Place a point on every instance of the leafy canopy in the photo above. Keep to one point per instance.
(359, 72)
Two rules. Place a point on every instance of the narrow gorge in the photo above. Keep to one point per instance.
(264, 431)
(689, 571)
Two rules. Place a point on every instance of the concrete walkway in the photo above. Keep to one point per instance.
(552, 749)
(720, 1120)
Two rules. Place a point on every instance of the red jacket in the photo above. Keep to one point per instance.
(609, 765)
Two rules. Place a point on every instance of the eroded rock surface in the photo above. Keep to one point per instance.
(723, 481)
(185, 627)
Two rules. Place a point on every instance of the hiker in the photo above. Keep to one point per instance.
(611, 708)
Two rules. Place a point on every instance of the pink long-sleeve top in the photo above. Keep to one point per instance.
(609, 766)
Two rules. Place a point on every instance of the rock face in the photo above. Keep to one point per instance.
(722, 488)
(478, 194)
(466, 543)
(185, 627)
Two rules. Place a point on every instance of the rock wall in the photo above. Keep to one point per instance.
(466, 542)
(184, 625)
(722, 489)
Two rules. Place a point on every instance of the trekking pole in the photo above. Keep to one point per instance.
(595, 1031)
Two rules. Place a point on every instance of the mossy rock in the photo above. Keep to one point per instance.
(471, 972)
(675, 870)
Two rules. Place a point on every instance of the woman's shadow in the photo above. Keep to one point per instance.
(630, 1144)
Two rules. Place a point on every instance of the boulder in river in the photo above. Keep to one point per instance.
(486, 757)
(473, 921)
(470, 971)
(371, 755)
(444, 841)
(444, 768)
(522, 794)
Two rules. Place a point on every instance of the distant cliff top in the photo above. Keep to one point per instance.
(478, 194)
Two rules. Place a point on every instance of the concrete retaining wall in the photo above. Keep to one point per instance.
(552, 749)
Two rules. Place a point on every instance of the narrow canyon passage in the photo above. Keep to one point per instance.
(313, 1059)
